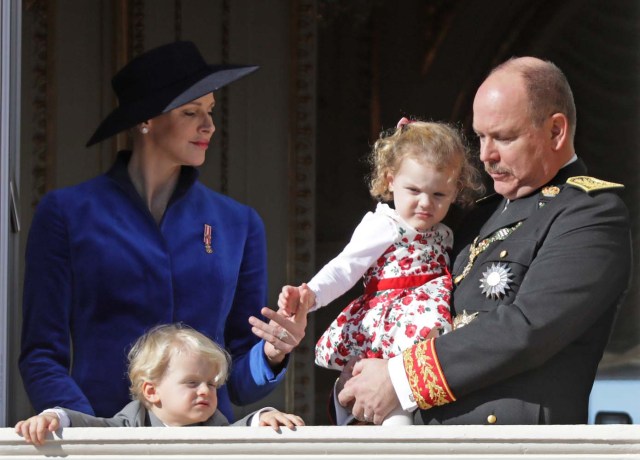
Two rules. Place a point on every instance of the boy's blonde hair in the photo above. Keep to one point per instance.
(150, 355)
(439, 144)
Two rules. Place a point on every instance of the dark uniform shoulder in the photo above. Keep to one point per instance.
(591, 184)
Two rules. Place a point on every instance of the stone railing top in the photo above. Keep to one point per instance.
(364, 442)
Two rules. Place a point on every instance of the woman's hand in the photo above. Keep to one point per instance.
(34, 430)
(284, 331)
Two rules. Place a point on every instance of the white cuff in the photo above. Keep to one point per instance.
(255, 418)
(400, 383)
(316, 305)
(65, 421)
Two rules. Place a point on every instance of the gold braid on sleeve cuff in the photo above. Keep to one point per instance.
(425, 376)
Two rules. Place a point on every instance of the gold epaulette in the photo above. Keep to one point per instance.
(591, 184)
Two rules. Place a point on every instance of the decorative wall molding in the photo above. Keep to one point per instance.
(43, 152)
(137, 28)
(223, 96)
(177, 19)
(605, 442)
(128, 42)
(302, 151)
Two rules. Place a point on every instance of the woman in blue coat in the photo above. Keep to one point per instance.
(144, 244)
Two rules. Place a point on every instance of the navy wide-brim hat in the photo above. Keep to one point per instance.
(160, 80)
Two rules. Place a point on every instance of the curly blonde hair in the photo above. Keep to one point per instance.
(439, 144)
(150, 355)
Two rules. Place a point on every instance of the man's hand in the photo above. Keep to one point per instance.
(370, 391)
(346, 374)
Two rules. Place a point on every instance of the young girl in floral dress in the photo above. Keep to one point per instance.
(402, 252)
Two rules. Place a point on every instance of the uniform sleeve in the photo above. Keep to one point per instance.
(251, 377)
(45, 347)
(371, 238)
(578, 275)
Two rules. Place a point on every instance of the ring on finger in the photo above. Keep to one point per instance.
(283, 334)
(366, 418)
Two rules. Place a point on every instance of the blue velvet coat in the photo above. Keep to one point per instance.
(100, 271)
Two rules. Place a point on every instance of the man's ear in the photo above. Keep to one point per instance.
(150, 392)
(559, 130)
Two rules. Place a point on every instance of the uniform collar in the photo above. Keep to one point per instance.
(520, 209)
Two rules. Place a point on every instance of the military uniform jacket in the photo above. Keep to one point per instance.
(545, 298)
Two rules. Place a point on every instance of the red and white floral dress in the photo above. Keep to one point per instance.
(407, 289)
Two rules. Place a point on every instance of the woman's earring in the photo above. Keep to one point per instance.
(144, 130)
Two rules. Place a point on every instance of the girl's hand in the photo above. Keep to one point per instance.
(291, 298)
(275, 419)
(34, 430)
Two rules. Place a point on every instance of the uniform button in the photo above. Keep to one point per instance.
(503, 254)
(492, 419)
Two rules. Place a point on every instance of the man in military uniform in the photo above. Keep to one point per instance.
(539, 271)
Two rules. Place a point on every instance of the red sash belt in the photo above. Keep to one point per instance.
(402, 282)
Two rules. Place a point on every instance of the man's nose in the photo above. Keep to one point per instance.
(488, 150)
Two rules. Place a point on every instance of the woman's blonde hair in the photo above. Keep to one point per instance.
(150, 355)
(439, 144)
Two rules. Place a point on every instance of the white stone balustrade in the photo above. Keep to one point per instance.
(363, 442)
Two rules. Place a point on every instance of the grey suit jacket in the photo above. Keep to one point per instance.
(135, 414)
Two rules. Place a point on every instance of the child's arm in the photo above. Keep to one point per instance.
(372, 238)
(34, 430)
(275, 419)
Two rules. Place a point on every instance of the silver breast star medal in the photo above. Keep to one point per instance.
(495, 280)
